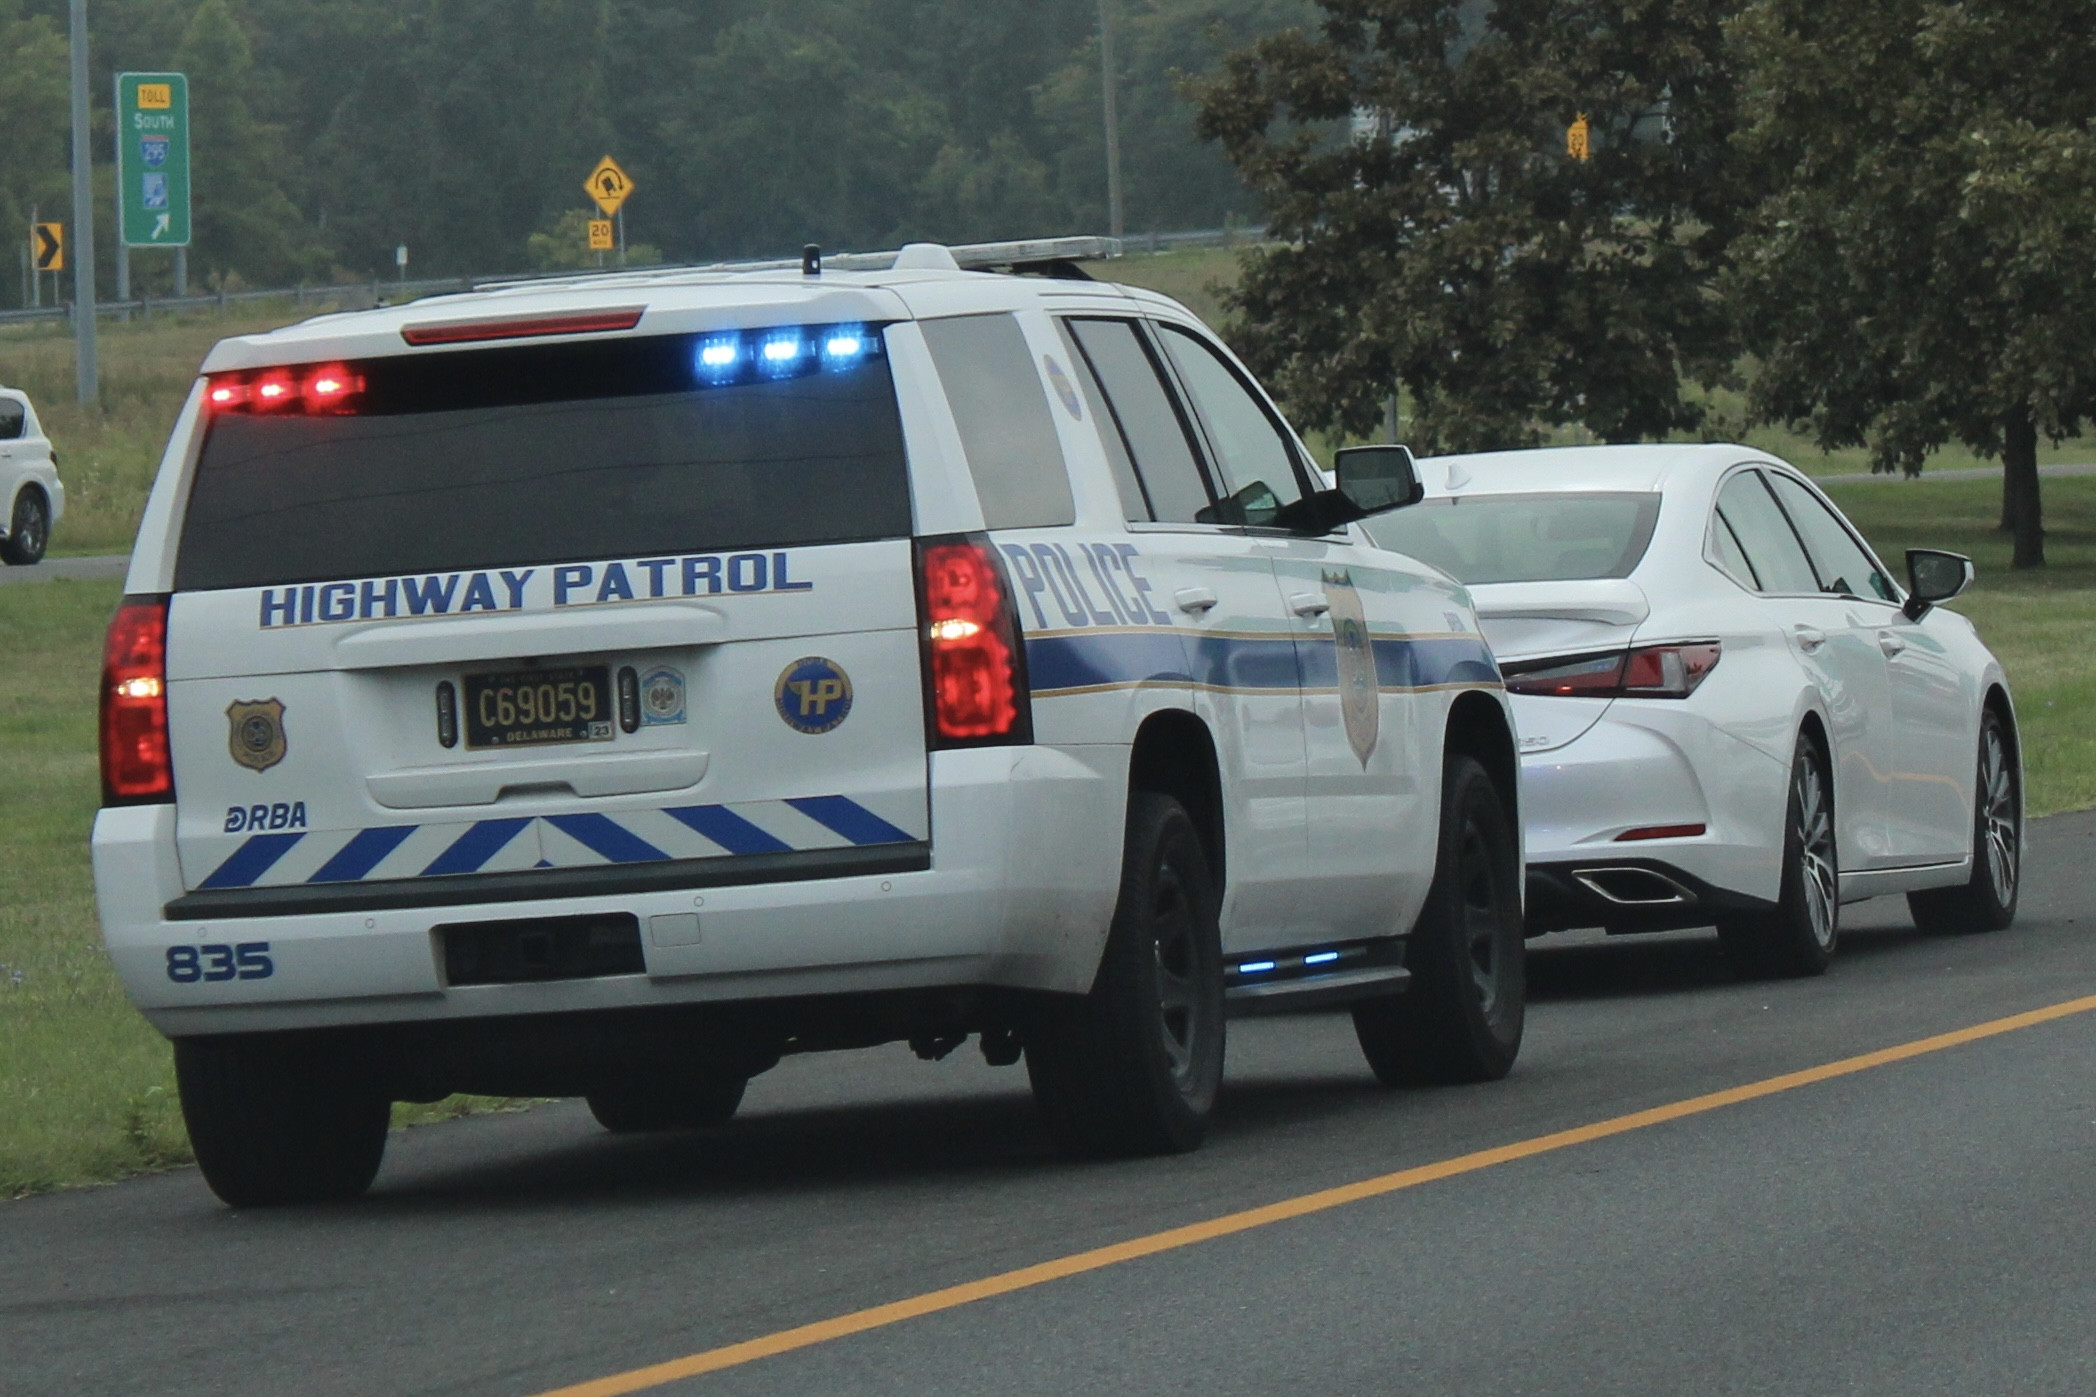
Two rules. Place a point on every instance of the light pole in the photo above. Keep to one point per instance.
(1113, 123)
(85, 372)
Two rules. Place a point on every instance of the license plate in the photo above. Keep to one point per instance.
(532, 707)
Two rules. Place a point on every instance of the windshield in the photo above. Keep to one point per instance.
(546, 454)
(1549, 537)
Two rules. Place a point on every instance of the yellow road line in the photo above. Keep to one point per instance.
(1026, 1277)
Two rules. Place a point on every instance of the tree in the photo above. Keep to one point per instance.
(33, 114)
(1450, 243)
(243, 219)
(1925, 267)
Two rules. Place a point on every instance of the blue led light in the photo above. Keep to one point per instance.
(1321, 957)
(719, 355)
(782, 350)
(1255, 967)
(844, 344)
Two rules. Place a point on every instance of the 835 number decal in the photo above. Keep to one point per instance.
(214, 963)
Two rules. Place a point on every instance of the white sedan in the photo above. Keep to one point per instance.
(1729, 711)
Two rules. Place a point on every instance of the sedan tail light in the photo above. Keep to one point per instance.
(974, 666)
(1646, 671)
(136, 769)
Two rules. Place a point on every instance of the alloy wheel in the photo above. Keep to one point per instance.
(1998, 816)
(1815, 836)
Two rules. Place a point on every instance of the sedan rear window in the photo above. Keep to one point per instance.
(1555, 536)
(555, 453)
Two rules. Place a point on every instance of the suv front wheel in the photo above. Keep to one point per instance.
(1133, 1067)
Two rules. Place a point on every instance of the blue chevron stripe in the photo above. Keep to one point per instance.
(601, 835)
(475, 847)
(728, 829)
(251, 860)
(850, 819)
(367, 851)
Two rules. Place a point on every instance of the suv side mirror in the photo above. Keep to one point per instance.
(1378, 478)
(1934, 576)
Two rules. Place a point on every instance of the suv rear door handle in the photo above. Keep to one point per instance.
(1309, 605)
(1193, 600)
(1809, 638)
(1890, 643)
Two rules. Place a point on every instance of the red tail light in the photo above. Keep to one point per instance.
(1649, 671)
(135, 765)
(974, 667)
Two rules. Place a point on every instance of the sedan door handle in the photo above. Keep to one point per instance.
(1309, 605)
(1890, 643)
(1809, 638)
(1194, 600)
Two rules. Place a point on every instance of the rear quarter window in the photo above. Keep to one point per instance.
(546, 454)
(1007, 431)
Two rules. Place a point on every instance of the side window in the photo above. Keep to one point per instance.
(12, 415)
(1006, 428)
(1724, 546)
(1765, 536)
(1149, 425)
(1847, 569)
(1135, 505)
(1256, 462)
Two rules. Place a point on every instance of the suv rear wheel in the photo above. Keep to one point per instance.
(1461, 1018)
(275, 1119)
(1133, 1067)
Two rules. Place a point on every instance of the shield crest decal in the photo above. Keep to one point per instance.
(256, 739)
(1360, 688)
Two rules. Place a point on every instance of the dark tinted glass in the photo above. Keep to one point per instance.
(1554, 537)
(1148, 422)
(1844, 567)
(1134, 504)
(1001, 408)
(12, 416)
(1765, 536)
(545, 454)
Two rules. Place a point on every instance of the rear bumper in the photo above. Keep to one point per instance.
(1015, 890)
(1650, 764)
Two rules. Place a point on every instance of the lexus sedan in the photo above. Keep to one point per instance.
(1730, 712)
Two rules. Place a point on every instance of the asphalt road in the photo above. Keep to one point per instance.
(1920, 1226)
(77, 569)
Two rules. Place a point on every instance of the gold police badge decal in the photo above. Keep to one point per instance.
(1360, 688)
(257, 736)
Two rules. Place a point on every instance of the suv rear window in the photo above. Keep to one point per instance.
(551, 453)
(1552, 537)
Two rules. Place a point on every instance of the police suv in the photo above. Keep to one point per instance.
(604, 687)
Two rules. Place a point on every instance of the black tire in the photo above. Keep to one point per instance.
(1987, 901)
(1133, 1067)
(1799, 935)
(693, 1103)
(274, 1119)
(29, 530)
(1461, 1018)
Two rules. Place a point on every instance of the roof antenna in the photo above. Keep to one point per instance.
(811, 260)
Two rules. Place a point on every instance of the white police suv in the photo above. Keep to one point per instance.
(606, 687)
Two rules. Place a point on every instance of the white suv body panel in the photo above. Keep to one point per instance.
(1329, 836)
(25, 463)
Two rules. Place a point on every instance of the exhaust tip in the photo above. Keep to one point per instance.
(1633, 887)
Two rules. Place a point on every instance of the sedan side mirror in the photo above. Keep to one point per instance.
(1378, 478)
(1934, 576)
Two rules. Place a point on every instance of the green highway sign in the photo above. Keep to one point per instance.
(152, 159)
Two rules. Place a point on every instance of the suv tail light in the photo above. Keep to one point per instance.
(136, 769)
(1648, 671)
(974, 666)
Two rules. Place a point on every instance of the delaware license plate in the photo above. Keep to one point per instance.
(528, 708)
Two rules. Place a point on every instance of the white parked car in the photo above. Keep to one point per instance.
(31, 496)
(1729, 712)
(604, 687)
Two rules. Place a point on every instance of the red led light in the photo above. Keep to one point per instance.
(226, 393)
(329, 389)
(971, 643)
(274, 390)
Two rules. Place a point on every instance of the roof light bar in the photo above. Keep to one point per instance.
(517, 327)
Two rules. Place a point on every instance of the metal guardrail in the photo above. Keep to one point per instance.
(379, 291)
